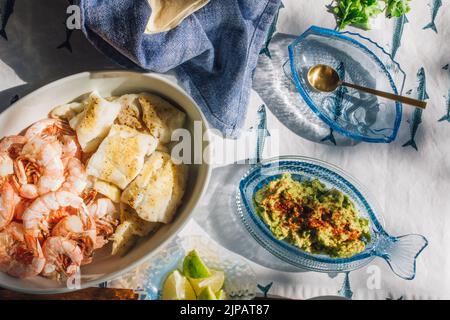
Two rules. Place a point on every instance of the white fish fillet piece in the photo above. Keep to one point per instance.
(158, 190)
(93, 124)
(160, 116)
(67, 111)
(120, 157)
(107, 189)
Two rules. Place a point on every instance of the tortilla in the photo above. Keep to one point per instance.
(167, 14)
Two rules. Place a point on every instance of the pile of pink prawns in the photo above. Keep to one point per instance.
(50, 220)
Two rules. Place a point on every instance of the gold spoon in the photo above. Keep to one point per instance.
(325, 78)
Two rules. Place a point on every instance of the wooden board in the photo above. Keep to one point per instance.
(85, 294)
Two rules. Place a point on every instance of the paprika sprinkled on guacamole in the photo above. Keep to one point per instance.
(312, 217)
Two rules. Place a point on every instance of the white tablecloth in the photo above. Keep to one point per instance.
(411, 186)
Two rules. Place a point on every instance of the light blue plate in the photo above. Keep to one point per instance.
(359, 60)
(399, 252)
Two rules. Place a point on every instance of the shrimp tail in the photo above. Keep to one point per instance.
(33, 244)
(7, 204)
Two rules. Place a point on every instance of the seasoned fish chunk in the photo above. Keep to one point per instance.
(160, 117)
(124, 238)
(180, 174)
(93, 123)
(75, 120)
(150, 193)
(67, 111)
(141, 227)
(130, 228)
(120, 157)
(130, 115)
(107, 189)
(157, 192)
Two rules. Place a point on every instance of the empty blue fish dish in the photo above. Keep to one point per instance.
(399, 252)
(357, 59)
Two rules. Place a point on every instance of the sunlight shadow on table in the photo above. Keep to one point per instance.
(216, 215)
(31, 53)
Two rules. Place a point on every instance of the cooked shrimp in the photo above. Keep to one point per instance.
(26, 177)
(25, 168)
(6, 148)
(75, 227)
(89, 196)
(76, 180)
(7, 204)
(68, 227)
(63, 256)
(48, 128)
(103, 210)
(35, 218)
(15, 258)
(7, 143)
(25, 264)
(70, 147)
(51, 168)
(15, 230)
(80, 230)
(21, 206)
(6, 165)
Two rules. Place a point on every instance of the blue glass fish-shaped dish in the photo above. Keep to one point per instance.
(399, 252)
(359, 60)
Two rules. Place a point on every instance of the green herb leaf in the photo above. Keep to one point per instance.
(397, 8)
(356, 12)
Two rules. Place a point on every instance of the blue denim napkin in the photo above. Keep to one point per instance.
(213, 52)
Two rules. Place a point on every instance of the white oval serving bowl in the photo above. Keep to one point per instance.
(38, 104)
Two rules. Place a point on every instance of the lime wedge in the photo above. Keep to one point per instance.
(215, 282)
(193, 266)
(207, 294)
(177, 287)
(221, 295)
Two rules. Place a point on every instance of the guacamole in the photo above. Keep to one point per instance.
(312, 217)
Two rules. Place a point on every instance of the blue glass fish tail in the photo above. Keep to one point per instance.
(401, 253)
